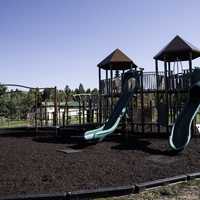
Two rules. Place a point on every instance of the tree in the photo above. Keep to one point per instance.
(46, 94)
(81, 88)
(3, 89)
(61, 95)
(95, 91)
(3, 101)
(76, 91)
(88, 91)
(67, 90)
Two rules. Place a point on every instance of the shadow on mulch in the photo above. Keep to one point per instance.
(77, 143)
(82, 145)
(51, 139)
(142, 145)
(133, 143)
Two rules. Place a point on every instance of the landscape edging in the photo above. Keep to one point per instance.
(107, 192)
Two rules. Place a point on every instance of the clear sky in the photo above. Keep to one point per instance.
(58, 42)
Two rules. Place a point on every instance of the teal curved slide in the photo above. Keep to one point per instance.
(130, 84)
(181, 130)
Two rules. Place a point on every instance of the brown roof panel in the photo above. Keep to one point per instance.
(117, 60)
(178, 49)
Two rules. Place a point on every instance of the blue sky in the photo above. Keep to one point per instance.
(58, 42)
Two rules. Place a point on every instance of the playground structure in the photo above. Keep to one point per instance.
(161, 95)
(129, 86)
(130, 101)
(181, 130)
(154, 108)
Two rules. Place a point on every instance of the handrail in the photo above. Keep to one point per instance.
(24, 86)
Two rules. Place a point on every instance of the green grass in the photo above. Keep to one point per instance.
(14, 123)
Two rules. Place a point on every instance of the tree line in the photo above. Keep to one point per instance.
(80, 90)
(16, 104)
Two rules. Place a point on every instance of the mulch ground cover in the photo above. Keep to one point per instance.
(31, 165)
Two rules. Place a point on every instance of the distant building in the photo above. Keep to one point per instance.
(47, 109)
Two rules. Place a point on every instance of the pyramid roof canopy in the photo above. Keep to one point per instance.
(178, 49)
(117, 60)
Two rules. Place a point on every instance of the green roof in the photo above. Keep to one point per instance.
(69, 103)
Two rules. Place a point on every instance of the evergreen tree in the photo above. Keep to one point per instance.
(76, 91)
(88, 91)
(95, 91)
(67, 90)
(81, 88)
(3, 89)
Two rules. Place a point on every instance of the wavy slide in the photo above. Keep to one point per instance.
(181, 130)
(130, 84)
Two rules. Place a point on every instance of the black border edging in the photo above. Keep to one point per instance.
(192, 176)
(52, 196)
(106, 192)
(160, 182)
(103, 192)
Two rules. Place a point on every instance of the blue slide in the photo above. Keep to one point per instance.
(130, 85)
(181, 130)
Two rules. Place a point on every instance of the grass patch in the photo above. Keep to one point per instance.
(14, 123)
